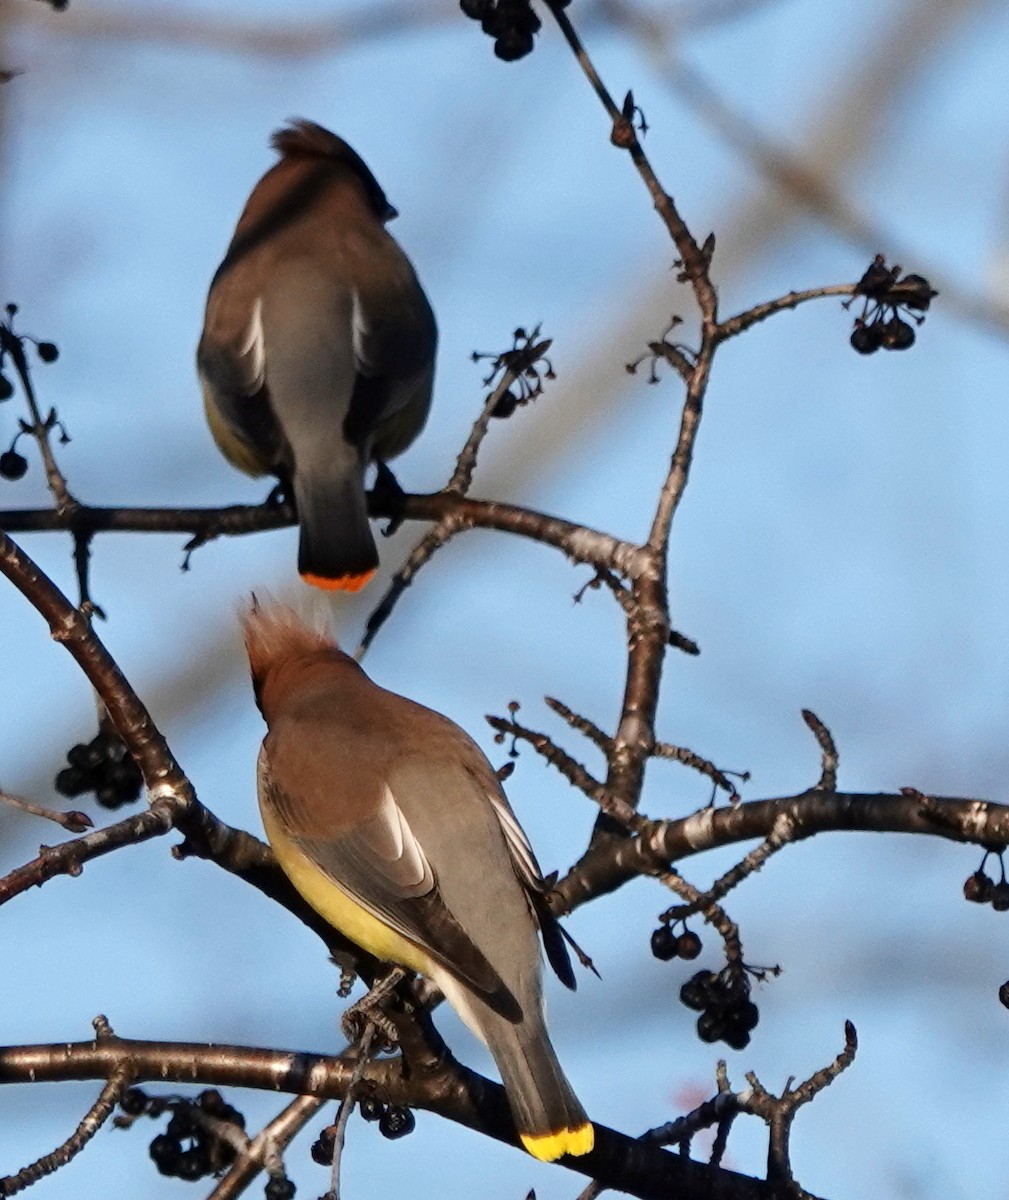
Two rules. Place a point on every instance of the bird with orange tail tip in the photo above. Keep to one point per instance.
(317, 354)
(389, 820)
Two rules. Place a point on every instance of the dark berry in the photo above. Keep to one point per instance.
(323, 1147)
(88, 756)
(371, 1108)
(127, 780)
(866, 339)
(747, 1016)
(513, 45)
(664, 943)
(166, 1152)
(1000, 896)
(976, 888)
(491, 22)
(897, 334)
(518, 15)
(193, 1164)
(13, 465)
(181, 1125)
(688, 945)
(133, 1102)
(212, 1102)
(710, 1025)
(72, 781)
(48, 351)
(6, 388)
(279, 1187)
(505, 406)
(109, 796)
(735, 1036)
(697, 991)
(396, 1122)
(1003, 993)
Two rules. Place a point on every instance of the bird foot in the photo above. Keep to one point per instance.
(367, 1011)
(388, 492)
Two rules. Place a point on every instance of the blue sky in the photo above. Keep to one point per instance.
(842, 545)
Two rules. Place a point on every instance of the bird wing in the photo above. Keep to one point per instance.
(529, 873)
(379, 863)
(394, 338)
(231, 360)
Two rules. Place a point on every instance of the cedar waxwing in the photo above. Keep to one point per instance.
(317, 354)
(389, 820)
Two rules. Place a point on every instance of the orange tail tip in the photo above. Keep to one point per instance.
(548, 1147)
(345, 583)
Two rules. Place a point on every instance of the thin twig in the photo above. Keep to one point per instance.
(461, 479)
(688, 758)
(702, 903)
(267, 1144)
(347, 1107)
(572, 770)
(74, 821)
(13, 345)
(68, 858)
(419, 557)
(93, 1120)
(733, 326)
(447, 526)
(828, 751)
(582, 724)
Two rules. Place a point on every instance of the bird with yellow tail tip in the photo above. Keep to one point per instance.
(317, 354)
(390, 821)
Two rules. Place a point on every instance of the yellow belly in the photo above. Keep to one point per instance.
(342, 912)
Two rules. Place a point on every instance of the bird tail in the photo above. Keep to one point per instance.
(549, 1118)
(336, 550)
(547, 1114)
(310, 376)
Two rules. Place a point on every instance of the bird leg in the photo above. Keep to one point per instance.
(389, 493)
(367, 1011)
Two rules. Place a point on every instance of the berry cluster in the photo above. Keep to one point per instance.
(528, 363)
(12, 347)
(667, 945)
(103, 766)
(723, 1000)
(511, 23)
(394, 1121)
(189, 1148)
(980, 888)
(886, 294)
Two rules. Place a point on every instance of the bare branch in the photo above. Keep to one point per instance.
(92, 1121)
(608, 865)
(448, 1089)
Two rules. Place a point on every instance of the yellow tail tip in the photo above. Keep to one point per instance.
(346, 583)
(548, 1147)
